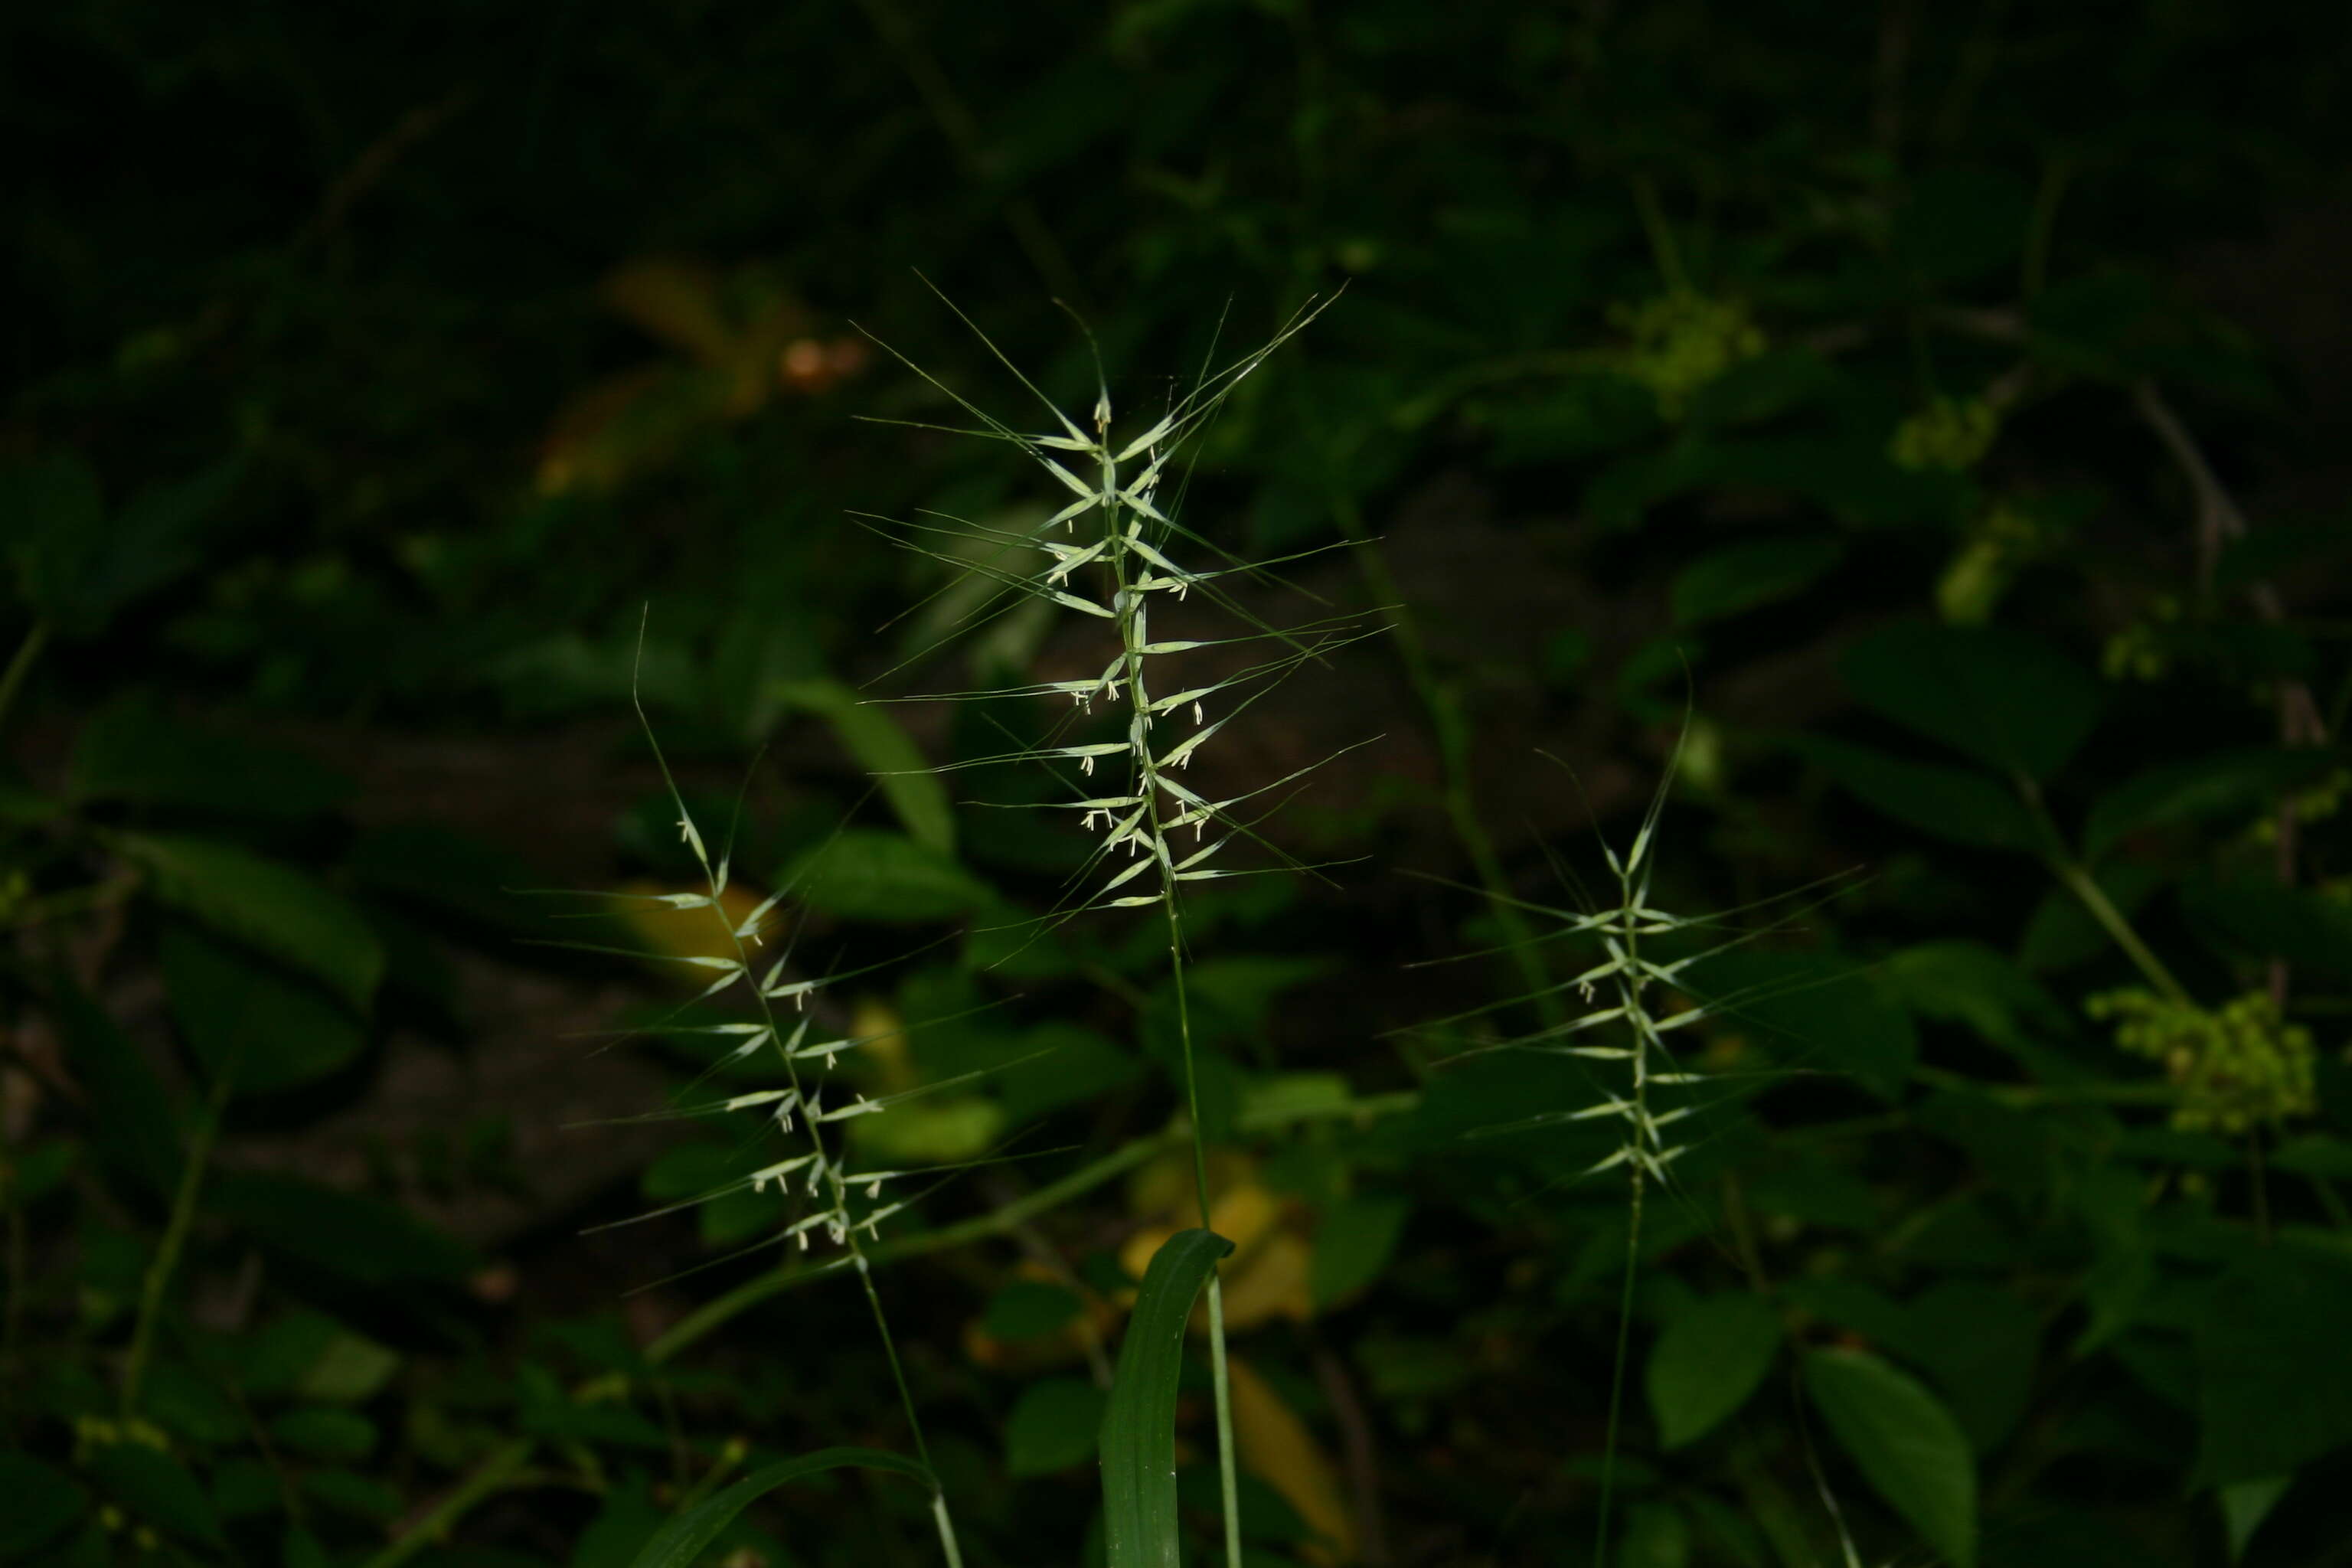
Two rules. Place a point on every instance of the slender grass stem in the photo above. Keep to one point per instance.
(167, 1251)
(828, 1165)
(1127, 602)
(1228, 1477)
(1629, 984)
(1618, 1365)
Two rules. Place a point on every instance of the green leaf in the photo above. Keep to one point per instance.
(134, 1125)
(21, 807)
(2274, 1384)
(448, 872)
(80, 568)
(362, 1239)
(1053, 1424)
(1656, 1536)
(354, 1493)
(1831, 1012)
(189, 1404)
(1979, 1341)
(1711, 1358)
(2219, 786)
(1904, 1440)
(246, 1018)
(2268, 920)
(1956, 224)
(325, 1432)
(1970, 983)
(59, 518)
(1077, 1065)
(623, 1525)
(42, 1501)
(1849, 1303)
(1138, 1430)
(348, 1368)
(273, 907)
(680, 1541)
(130, 751)
(2061, 933)
(690, 1171)
(1955, 803)
(1741, 577)
(157, 1489)
(885, 750)
(2003, 698)
(1353, 1245)
(1245, 988)
(869, 874)
(1027, 1308)
(300, 1548)
(2244, 1506)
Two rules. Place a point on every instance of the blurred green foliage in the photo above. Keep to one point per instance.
(392, 392)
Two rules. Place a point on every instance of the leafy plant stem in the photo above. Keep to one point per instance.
(2077, 879)
(2094, 899)
(492, 1475)
(21, 664)
(167, 1251)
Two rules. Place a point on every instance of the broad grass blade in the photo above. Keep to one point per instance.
(680, 1541)
(1139, 1433)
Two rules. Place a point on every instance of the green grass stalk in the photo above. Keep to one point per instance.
(166, 1261)
(831, 1169)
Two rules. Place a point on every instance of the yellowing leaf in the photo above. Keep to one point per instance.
(1242, 1215)
(688, 933)
(1137, 1255)
(1276, 1446)
(877, 1023)
(1272, 1282)
(675, 301)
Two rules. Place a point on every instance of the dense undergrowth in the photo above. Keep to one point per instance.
(1793, 1009)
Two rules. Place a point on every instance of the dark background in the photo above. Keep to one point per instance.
(391, 389)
